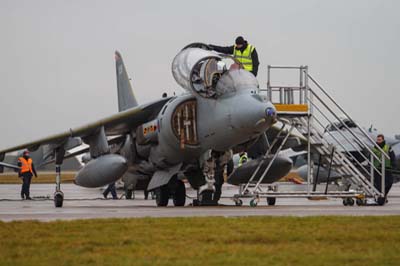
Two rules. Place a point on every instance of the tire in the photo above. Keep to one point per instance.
(179, 197)
(58, 200)
(271, 201)
(206, 197)
(128, 193)
(162, 196)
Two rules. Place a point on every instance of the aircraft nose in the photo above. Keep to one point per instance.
(270, 112)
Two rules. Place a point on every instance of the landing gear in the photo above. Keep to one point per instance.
(175, 189)
(179, 197)
(162, 196)
(129, 194)
(58, 195)
(58, 199)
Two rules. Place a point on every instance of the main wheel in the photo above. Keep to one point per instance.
(162, 196)
(129, 194)
(179, 197)
(58, 199)
(271, 201)
(205, 197)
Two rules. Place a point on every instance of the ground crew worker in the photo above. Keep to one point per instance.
(243, 158)
(27, 170)
(223, 167)
(389, 165)
(245, 53)
(110, 188)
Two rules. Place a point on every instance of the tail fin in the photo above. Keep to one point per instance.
(126, 98)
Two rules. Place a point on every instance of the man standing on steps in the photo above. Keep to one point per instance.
(242, 51)
(27, 170)
(389, 165)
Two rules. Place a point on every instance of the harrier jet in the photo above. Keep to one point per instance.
(167, 140)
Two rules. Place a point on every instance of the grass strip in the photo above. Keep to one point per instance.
(204, 241)
(43, 178)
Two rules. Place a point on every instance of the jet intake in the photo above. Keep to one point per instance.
(101, 171)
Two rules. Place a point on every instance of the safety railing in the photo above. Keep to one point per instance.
(329, 124)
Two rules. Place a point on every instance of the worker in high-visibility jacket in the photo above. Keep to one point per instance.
(244, 52)
(243, 158)
(389, 165)
(27, 170)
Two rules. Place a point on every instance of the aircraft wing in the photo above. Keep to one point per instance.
(117, 124)
(11, 166)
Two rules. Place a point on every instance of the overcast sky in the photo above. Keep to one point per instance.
(57, 57)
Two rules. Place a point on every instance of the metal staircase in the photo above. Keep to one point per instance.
(307, 108)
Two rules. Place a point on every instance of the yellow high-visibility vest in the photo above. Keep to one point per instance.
(378, 153)
(245, 57)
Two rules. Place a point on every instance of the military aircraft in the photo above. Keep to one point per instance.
(170, 138)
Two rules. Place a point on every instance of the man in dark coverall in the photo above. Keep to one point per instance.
(223, 164)
(389, 165)
(242, 51)
(27, 170)
(110, 188)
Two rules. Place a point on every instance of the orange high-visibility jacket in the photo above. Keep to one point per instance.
(26, 165)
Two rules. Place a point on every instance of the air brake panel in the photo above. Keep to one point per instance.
(184, 123)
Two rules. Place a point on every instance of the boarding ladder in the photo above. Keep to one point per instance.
(307, 109)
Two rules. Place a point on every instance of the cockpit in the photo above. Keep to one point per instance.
(209, 74)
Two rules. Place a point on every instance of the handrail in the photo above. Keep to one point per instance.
(355, 171)
(351, 131)
(359, 141)
(327, 109)
(341, 109)
(352, 156)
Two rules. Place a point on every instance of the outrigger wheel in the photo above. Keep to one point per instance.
(58, 199)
